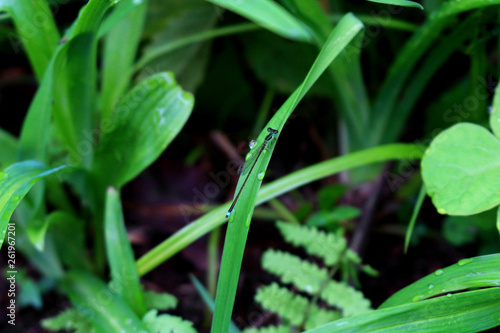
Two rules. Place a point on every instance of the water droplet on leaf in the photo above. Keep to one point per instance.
(439, 272)
(464, 261)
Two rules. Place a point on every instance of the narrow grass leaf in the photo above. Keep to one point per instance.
(269, 15)
(208, 300)
(472, 311)
(215, 218)
(15, 182)
(107, 311)
(36, 31)
(384, 109)
(145, 121)
(239, 223)
(470, 273)
(120, 49)
(124, 277)
(421, 196)
(402, 3)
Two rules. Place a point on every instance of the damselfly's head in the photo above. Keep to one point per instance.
(272, 130)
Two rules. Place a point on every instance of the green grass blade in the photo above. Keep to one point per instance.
(402, 3)
(146, 120)
(269, 15)
(421, 196)
(107, 312)
(124, 277)
(120, 49)
(384, 107)
(15, 182)
(215, 218)
(472, 311)
(239, 221)
(36, 31)
(472, 273)
(209, 301)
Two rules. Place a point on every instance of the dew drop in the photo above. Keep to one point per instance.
(431, 286)
(418, 298)
(249, 155)
(442, 211)
(261, 175)
(252, 144)
(439, 272)
(464, 261)
(448, 295)
(490, 109)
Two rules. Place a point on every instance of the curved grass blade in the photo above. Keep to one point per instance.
(402, 3)
(471, 273)
(472, 311)
(215, 218)
(421, 196)
(269, 15)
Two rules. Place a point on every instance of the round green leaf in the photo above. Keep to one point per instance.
(461, 170)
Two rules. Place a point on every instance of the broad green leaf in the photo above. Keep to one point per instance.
(36, 31)
(239, 221)
(120, 49)
(269, 15)
(124, 277)
(15, 182)
(145, 121)
(92, 298)
(402, 3)
(495, 114)
(470, 273)
(461, 170)
(472, 311)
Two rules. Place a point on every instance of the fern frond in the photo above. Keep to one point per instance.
(319, 316)
(293, 308)
(69, 320)
(289, 306)
(345, 297)
(303, 274)
(165, 323)
(269, 329)
(327, 246)
(159, 301)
